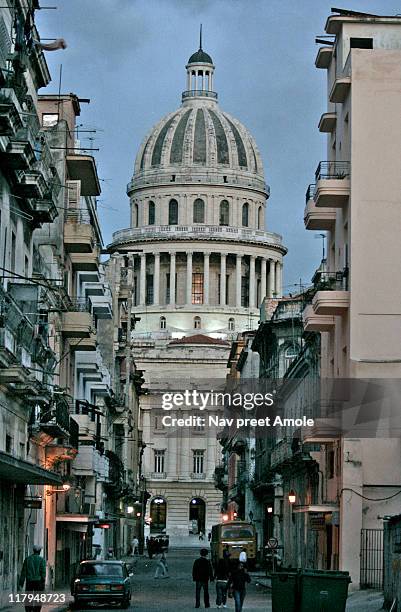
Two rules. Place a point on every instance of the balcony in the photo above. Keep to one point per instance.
(198, 93)
(65, 449)
(101, 306)
(85, 262)
(83, 168)
(44, 210)
(332, 184)
(328, 122)
(55, 420)
(158, 475)
(77, 322)
(332, 295)
(340, 89)
(10, 113)
(79, 234)
(196, 476)
(83, 344)
(317, 218)
(31, 184)
(323, 57)
(316, 323)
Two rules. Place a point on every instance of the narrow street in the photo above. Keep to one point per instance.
(178, 591)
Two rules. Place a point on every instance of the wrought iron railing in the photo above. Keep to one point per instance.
(77, 215)
(331, 281)
(332, 170)
(78, 304)
(310, 192)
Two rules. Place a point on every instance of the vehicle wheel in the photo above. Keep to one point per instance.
(126, 602)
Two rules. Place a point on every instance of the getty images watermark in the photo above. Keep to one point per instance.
(203, 400)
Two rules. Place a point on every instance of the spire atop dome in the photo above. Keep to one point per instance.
(200, 69)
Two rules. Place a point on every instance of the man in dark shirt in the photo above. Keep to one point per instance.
(237, 583)
(33, 575)
(202, 572)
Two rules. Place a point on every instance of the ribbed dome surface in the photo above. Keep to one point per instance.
(199, 135)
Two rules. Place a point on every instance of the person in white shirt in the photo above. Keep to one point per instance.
(243, 557)
(135, 546)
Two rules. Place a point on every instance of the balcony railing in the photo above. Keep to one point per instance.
(78, 304)
(77, 215)
(332, 170)
(310, 192)
(331, 281)
(213, 178)
(197, 476)
(191, 93)
(56, 421)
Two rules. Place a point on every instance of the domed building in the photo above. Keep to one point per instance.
(200, 262)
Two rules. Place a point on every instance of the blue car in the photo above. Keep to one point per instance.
(102, 581)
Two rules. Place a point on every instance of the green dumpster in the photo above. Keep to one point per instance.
(285, 591)
(323, 591)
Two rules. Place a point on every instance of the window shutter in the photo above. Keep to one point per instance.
(73, 194)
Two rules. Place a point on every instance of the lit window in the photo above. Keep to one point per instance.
(197, 323)
(231, 324)
(199, 211)
(198, 461)
(245, 214)
(159, 457)
(224, 212)
(163, 322)
(173, 212)
(151, 213)
(197, 288)
(49, 119)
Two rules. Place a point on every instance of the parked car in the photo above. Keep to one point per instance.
(102, 581)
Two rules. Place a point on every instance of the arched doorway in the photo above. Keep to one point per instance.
(197, 515)
(158, 515)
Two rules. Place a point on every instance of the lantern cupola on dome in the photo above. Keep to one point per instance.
(200, 69)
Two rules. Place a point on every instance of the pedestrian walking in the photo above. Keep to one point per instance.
(209, 536)
(162, 566)
(238, 579)
(135, 546)
(201, 535)
(33, 575)
(202, 572)
(243, 558)
(221, 576)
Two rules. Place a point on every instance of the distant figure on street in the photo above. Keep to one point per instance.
(209, 536)
(239, 577)
(162, 566)
(243, 557)
(201, 535)
(33, 575)
(151, 546)
(135, 546)
(202, 572)
(222, 575)
(110, 553)
(226, 552)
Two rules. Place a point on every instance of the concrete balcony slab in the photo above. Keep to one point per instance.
(331, 302)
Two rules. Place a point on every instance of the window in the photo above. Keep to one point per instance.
(173, 212)
(227, 288)
(159, 461)
(231, 324)
(163, 322)
(151, 213)
(260, 218)
(199, 211)
(197, 288)
(198, 461)
(136, 215)
(245, 214)
(9, 444)
(13, 251)
(290, 353)
(197, 323)
(158, 422)
(26, 266)
(49, 119)
(361, 43)
(224, 212)
(245, 291)
(149, 289)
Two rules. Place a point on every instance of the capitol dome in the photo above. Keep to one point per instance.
(199, 139)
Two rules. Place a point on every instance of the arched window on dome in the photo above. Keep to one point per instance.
(151, 213)
(173, 212)
(197, 323)
(199, 211)
(231, 324)
(136, 215)
(224, 217)
(260, 217)
(245, 214)
(162, 322)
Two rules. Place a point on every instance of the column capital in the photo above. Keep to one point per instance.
(206, 254)
(172, 253)
(189, 253)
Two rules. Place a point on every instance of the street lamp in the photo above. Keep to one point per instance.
(269, 510)
(292, 498)
(130, 509)
(225, 518)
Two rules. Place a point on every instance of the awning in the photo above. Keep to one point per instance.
(83, 168)
(316, 508)
(24, 472)
(76, 522)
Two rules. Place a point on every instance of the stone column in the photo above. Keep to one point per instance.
(262, 280)
(142, 280)
(206, 262)
(172, 278)
(189, 277)
(272, 282)
(223, 279)
(238, 280)
(156, 280)
(252, 287)
(279, 271)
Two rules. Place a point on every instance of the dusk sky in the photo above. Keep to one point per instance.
(129, 56)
